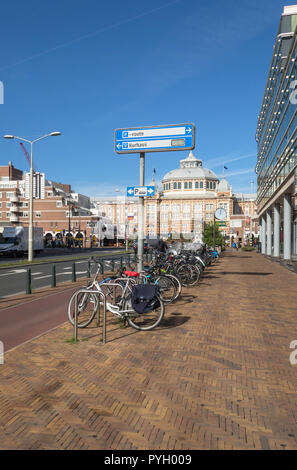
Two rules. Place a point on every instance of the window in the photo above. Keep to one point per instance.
(5, 178)
(1, 195)
(190, 185)
(208, 207)
(59, 203)
(178, 185)
(185, 185)
(0, 205)
(38, 214)
(25, 214)
(0, 215)
(8, 195)
(8, 204)
(196, 185)
(174, 185)
(201, 184)
(198, 208)
(207, 184)
(49, 194)
(7, 214)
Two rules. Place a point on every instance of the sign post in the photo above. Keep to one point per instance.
(151, 139)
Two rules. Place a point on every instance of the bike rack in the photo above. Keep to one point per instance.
(88, 291)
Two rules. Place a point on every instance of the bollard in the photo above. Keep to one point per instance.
(28, 282)
(89, 270)
(73, 272)
(135, 257)
(112, 265)
(53, 275)
(121, 262)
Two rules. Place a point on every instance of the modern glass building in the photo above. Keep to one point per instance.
(276, 138)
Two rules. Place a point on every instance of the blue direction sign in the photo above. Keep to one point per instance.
(140, 191)
(155, 139)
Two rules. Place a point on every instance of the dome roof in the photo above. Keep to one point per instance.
(224, 185)
(190, 168)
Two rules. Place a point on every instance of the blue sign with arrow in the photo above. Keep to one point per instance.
(141, 191)
(155, 139)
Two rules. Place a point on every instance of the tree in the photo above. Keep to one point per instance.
(208, 235)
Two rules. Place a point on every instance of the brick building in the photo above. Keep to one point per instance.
(60, 211)
(186, 202)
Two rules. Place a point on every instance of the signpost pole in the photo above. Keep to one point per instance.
(214, 232)
(141, 214)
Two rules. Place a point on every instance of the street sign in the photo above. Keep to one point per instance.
(155, 139)
(221, 224)
(140, 191)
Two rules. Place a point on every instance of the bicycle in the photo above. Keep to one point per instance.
(87, 303)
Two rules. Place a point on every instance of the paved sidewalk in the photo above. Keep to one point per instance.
(215, 375)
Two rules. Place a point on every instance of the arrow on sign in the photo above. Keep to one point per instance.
(188, 129)
(130, 191)
(150, 190)
(119, 146)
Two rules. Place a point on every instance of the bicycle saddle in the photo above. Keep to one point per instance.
(131, 273)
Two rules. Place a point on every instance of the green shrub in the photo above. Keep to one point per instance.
(248, 248)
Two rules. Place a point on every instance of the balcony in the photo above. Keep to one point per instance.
(14, 198)
(14, 218)
(14, 209)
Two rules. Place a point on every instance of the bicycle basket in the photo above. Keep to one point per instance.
(144, 298)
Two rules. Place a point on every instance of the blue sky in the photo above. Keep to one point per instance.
(87, 68)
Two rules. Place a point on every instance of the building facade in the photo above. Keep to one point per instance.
(63, 214)
(186, 201)
(277, 145)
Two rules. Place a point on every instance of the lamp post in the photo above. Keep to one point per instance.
(31, 142)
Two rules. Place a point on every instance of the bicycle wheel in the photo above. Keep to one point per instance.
(166, 286)
(195, 275)
(178, 285)
(184, 274)
(144, 321)
(86, 309)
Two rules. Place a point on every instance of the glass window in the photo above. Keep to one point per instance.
(201, 184)
(190, 185)
(174, 185)
(185, 185)
(178, 185)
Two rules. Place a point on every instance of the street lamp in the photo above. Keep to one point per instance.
(31, 142)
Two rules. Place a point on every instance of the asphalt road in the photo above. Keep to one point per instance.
(13, 280)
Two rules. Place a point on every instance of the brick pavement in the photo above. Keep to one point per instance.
(215, 375)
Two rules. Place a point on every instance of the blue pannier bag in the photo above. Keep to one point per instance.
(144, 298)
